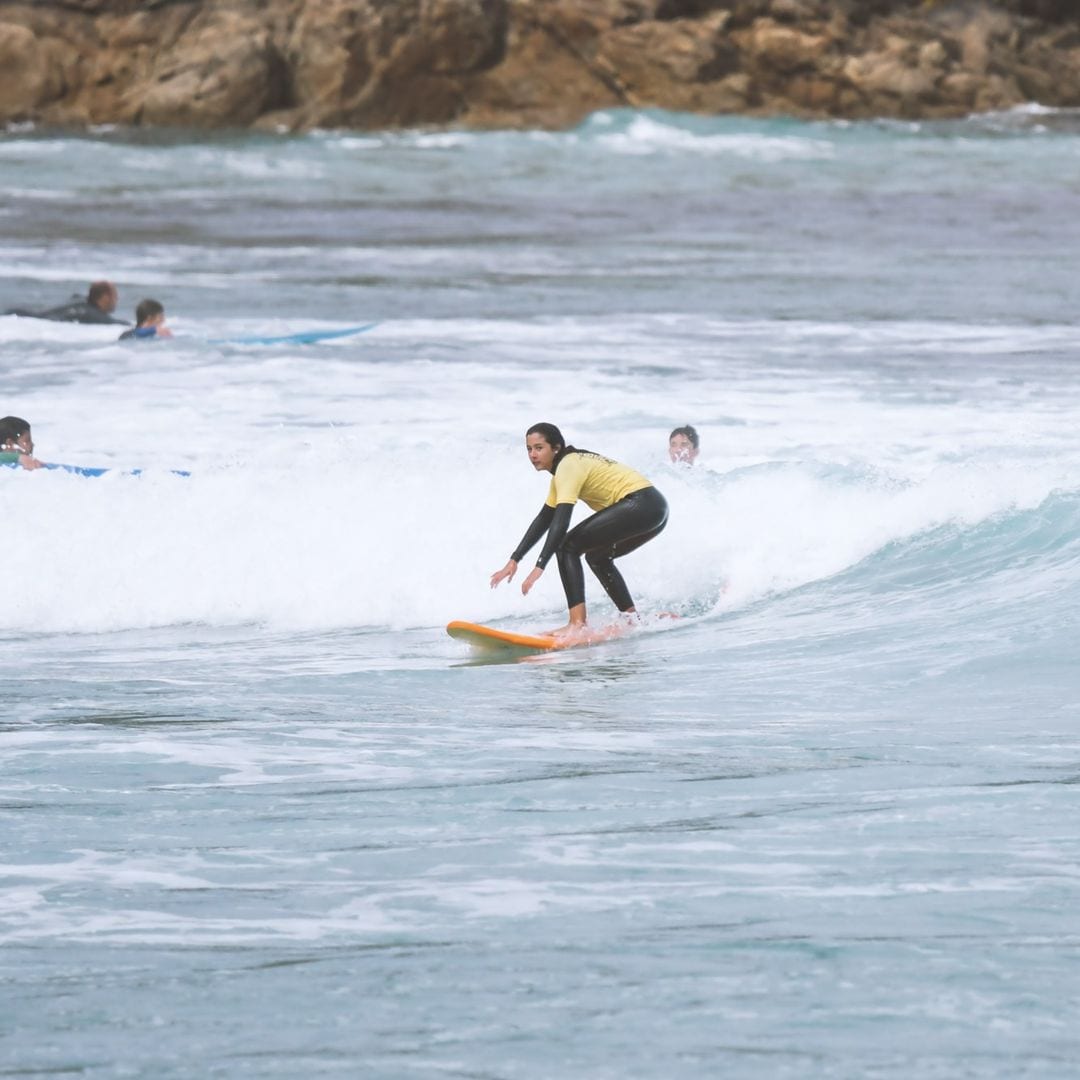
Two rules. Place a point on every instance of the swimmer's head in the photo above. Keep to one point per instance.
(683, 444)
(15, 435)
(103, 295)
(149, 313)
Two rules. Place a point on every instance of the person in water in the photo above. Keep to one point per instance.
(683, 445)
(16, 443)
(149, 323)
(629, 512)
(97, 307)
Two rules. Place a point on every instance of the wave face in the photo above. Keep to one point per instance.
(823, 820)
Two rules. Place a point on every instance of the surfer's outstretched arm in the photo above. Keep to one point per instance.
(559, 518)
(560, 523)
(539, 526)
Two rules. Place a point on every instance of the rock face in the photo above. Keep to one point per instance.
(299, 64)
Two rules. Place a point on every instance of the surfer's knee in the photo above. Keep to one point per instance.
(569, 547)
(599, 558)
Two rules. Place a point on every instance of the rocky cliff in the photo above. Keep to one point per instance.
(298, 64)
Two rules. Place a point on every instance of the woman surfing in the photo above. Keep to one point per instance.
(629, 511)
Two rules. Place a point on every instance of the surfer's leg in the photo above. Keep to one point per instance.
(573, 580)
(612, 533)
(602, 564)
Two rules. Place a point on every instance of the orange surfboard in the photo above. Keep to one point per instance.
(490, 639)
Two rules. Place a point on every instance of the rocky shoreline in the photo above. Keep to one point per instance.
(295, 65)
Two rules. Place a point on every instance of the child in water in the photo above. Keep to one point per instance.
(16, 444)
(683, 445)
(149, 322)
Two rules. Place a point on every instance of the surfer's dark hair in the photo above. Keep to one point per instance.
(147, 309)
(689, 432)
(554, 437)
(11, 427)
(99, 290)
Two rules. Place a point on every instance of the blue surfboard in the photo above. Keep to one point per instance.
(84, 470)
(304, 337)
(78, 470)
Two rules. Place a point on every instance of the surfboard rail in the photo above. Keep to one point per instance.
(492, 639)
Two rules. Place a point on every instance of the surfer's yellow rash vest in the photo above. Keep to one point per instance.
(596, 480)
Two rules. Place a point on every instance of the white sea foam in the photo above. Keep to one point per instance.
(645, 135)
(332, 489)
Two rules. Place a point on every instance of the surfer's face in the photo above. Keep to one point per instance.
(680, 448)
(541, 453)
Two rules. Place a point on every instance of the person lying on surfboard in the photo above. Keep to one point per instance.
(629, 511)
(98, 307)
(17, 449)
(16, 443)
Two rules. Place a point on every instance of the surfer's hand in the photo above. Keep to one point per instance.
(531, 580)
(28, 462)
(505, 574)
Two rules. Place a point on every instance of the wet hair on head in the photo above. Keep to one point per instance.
(552, 435)
(147, 309)
(99, 290)
(11, 427)
(689, 432)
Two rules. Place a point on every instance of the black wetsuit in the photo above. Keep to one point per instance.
(77, 310)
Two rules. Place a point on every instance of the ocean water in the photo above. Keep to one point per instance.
(261, 817)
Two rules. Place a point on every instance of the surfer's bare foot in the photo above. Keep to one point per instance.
(575, 624)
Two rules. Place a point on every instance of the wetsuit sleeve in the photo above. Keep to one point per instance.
(9, 457)
(560, 522)
(533, 533)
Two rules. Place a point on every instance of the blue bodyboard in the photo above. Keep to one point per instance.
(84, 470)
